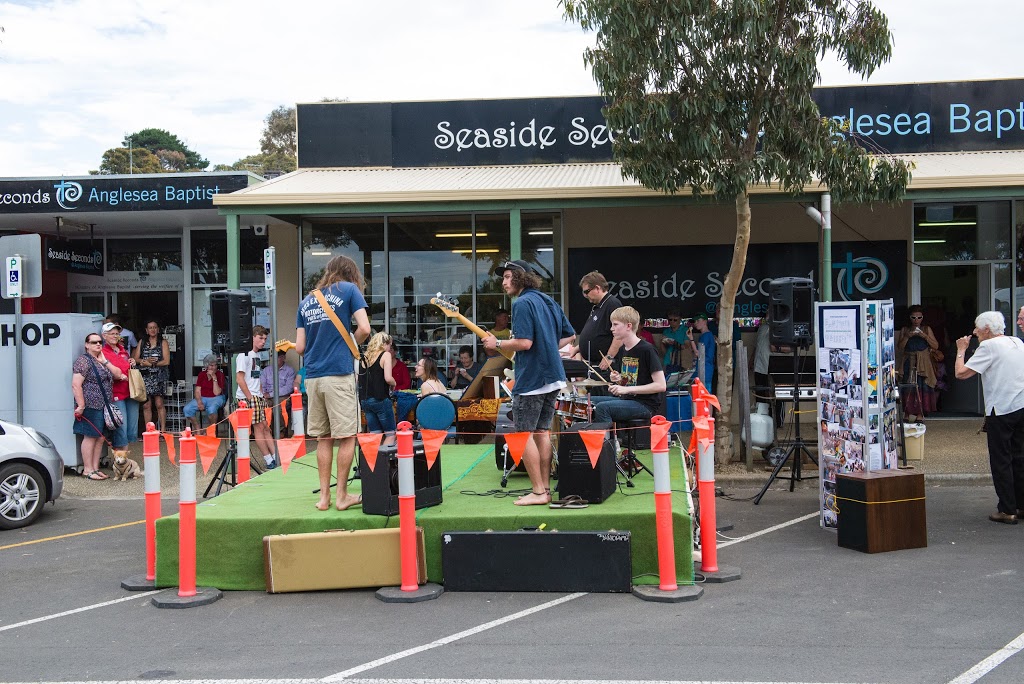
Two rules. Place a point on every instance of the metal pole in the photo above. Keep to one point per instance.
(273, 364)
(17, 359)
(826, 240)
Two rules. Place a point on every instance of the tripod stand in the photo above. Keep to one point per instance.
(797, 448)
(227, 473)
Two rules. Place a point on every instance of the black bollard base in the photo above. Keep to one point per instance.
(651, 592)
(725, 573)
(204, 596)
(425, 592)
(138, 583)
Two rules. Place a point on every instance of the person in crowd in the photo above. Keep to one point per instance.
(500, 330)
(762, 354)
(677, 347)
(999, 359)
(645, 335)
(92, 377)
(209, 394)
(706, 340)
(638, 380)
(426, 373)
(330, 366)
(247, 376)
(153, 357)
(539, 330)
(128, 339)
(466, 370)
(918, 349)
(378, 382)
(405, 399)
(595, 343)
(287, 380)
(118, 357)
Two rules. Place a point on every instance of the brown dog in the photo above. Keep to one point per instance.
(124, 467)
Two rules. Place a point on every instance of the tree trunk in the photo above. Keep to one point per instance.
(723, 431)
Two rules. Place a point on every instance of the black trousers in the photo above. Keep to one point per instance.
(1006, 458)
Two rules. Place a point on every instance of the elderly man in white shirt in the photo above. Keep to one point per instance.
(999, 360)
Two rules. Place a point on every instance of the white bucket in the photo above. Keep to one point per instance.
(914, 433)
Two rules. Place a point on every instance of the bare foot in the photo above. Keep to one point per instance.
(534, 499)
(348, 502)
(323, 504)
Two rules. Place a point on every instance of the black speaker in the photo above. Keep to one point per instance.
(501, 449)
(575, 473)
(231, 321)
(792, 311)
(380, 485)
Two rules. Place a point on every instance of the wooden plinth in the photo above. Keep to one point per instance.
(881, 511)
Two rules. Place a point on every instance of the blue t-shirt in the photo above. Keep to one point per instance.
(710, 351)
(537, 317)
(326, 351)
(681, 340)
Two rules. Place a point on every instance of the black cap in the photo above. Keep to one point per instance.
(517, 265)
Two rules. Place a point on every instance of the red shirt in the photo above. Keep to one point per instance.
(119, 358)
(206, 385)
(400, 372)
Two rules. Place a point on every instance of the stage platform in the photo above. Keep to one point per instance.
(230, 528)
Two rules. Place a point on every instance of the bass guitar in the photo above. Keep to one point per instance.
(451, 309)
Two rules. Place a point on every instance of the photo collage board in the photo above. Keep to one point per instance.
(857, 394)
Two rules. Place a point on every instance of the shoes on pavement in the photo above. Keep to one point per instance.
(1001, 517)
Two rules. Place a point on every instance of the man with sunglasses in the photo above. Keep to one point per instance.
(595, 343)
(539, 330)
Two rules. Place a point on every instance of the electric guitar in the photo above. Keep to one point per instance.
(451, 309)
(284, 345)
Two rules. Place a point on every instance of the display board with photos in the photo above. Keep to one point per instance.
(857, 394)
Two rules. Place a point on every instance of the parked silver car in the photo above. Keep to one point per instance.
(31, 473)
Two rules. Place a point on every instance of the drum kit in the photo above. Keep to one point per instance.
(575, 406)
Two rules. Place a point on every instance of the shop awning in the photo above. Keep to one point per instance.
(563, 181)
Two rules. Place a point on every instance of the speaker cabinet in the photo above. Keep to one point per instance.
(502, 458)
(231, 321)
(380, 486)
(792, 311)
(575, 474)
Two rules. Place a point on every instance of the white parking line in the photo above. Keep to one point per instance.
(78, 610)
(773, 528)
(990, 663)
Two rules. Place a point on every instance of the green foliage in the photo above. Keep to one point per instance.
(121, 160)
(280, 136)
(156, 140)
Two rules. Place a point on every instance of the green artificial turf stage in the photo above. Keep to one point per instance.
(230, 528)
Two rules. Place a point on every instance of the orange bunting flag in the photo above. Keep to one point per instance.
(169, 441)
(207, 446)
(701, 432)
(516, 442)
(268, 415)
(594, 441)
(432, 440)
(211, 430)
(659, 431)
(287, 450)
(284, 413)
(233, 419)
(713, 400)
(369, 442)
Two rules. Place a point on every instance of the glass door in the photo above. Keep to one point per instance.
(952, 296)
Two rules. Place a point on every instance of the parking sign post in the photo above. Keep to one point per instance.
(22, 279)
(270, 282)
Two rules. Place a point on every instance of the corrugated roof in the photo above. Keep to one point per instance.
(563, 181)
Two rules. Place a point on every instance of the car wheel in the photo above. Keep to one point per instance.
(22, 495)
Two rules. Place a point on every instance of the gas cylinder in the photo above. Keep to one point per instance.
(762, 427)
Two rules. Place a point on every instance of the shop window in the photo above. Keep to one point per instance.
(250, 255)
(209, 257)
(145, 254)
(361, 239)
(962, 232)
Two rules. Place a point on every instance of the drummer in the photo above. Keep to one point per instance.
(638, 381)
(595, 343)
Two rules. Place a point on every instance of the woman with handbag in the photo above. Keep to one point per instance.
(91, 381)
(915, 345)
(117, 355)
(153, 356)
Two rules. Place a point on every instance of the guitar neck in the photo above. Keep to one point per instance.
(479, 332)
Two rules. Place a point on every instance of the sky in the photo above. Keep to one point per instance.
(76, 76)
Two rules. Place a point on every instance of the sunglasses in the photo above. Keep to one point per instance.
(916, 318)
(588, 291)
(94, 341)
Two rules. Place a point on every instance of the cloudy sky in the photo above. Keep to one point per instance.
(77, 75)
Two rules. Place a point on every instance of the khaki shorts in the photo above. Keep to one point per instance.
(332, 406)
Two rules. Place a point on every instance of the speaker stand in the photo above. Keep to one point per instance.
(797, 448)
(226, 473)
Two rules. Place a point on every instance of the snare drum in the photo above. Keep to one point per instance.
(581, 407)
(563, 404)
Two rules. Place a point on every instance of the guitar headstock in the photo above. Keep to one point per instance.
(284, 345)
(447, 303)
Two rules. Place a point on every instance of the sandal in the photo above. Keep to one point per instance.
(571, 501)
(96, 475)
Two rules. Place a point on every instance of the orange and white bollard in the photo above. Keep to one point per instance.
(151, 473)
(244, 419)
(187, 515)
(298, 420)
(706, 492)
(410, 591)
(188, 594)
(663, 511)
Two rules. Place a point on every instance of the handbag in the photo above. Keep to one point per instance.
(112, 416)
(136, 385)
(937, 355)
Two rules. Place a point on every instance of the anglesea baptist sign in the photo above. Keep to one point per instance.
(910, 118)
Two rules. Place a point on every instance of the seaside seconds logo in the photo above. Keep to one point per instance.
(860, 277)
(68, 191)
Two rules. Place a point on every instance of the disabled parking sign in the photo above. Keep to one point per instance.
(12, 272)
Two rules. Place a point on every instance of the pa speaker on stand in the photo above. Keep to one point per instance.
(792, 311)
(231, 321)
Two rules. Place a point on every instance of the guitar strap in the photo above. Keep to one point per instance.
(337, 324)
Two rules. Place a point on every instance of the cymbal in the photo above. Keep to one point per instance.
(589, 382)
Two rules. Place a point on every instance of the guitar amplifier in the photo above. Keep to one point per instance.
(533, 560)
(576, 475)
(380, 485)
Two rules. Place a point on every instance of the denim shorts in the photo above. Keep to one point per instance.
(533, 412)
